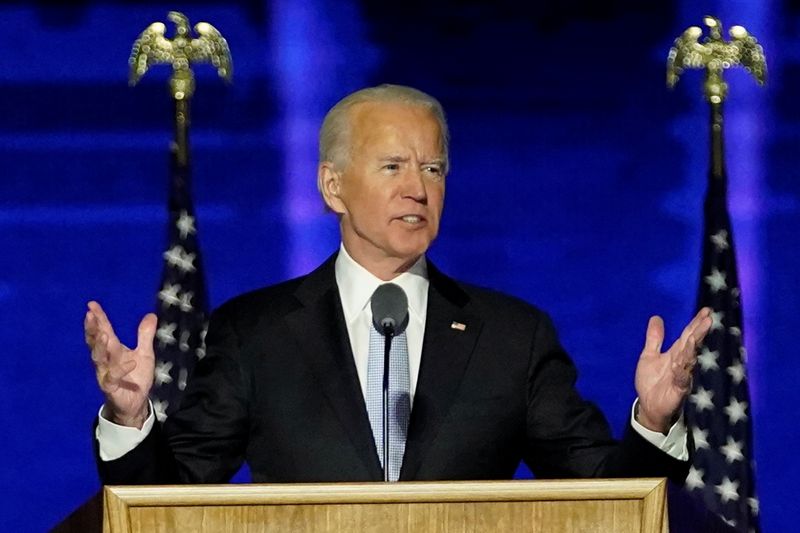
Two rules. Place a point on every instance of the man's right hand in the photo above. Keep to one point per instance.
(125, 376)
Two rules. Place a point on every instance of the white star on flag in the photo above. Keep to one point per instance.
(179, 258)
(160, 408)
(736, 371)
(716, 320)
(695, 478)
(185, 224)
(162, 372)
(753, 503)
(736, 410)
(708, 359)
(169, 294)
(732, 450)
(183, 376)
(727, 490)
(736, 332)
(183, 344)
(716, 280)
(700, 438)
(186, 301)
(166, 334)
(702, 399)
(720, 240)
(201, 350)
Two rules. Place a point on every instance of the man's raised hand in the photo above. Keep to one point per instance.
(663, 380)
(125, 376)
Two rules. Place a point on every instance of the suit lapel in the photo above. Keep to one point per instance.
(320, 330)
(446, 351)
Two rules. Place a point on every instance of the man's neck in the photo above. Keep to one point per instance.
(384, 268)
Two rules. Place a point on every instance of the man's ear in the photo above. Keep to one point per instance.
(329, 185)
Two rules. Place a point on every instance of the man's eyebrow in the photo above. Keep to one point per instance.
(394, 158)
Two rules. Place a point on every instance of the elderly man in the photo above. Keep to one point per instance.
(292, 372)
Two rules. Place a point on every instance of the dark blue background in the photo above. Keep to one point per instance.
(577, 182)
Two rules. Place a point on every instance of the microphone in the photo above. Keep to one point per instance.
(389, 310)
(390, 317)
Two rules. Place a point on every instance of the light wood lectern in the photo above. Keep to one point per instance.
(504, 506)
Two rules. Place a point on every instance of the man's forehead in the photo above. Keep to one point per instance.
(378, 130)
(387, 110)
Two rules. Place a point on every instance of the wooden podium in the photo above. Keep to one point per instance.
(508, 506)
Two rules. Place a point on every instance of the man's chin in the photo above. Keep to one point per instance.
(410, 255)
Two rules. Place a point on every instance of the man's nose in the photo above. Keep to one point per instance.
(414, 185)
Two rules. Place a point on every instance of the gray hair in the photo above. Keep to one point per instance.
(334, 136)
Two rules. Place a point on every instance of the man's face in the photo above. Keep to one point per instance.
(390, 192)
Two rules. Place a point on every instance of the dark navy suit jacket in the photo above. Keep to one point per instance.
(278, 388)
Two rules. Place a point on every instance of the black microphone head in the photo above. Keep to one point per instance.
(389, 309)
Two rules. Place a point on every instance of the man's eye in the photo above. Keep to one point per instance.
(433, 169)
(391, 166)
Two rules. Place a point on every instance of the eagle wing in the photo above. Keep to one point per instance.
(687, 52)
(211, 47)
(150, 48)
(750, 53)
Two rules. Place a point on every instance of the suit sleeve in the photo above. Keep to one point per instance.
(568, 436)
(205, 440)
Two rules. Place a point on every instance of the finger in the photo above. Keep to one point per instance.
(702, 330)
(119, 371)
(111, 379)
(683, 367)
(89, 328)
(99, 350)
(146, 334)
(686, 358)
(97, 310)
(109, 351)
(103, 323)
(654, 337)
(691, 327)
(698, 325)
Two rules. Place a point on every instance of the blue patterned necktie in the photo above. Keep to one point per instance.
(399, 397)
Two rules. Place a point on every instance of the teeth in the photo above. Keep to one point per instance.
(411, 219)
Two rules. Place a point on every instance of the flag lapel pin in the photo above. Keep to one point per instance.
(458, 326)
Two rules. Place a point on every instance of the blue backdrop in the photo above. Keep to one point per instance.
(577, 182)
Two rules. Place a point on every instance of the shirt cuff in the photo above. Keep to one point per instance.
(674, 443)
(115, 441)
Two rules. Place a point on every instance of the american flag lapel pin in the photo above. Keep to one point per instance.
(458, 326)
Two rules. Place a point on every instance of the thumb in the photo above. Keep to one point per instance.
(654, 337)
(147, 332)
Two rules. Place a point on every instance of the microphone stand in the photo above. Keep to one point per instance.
(388, 333)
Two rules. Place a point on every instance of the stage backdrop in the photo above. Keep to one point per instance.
(577, 182)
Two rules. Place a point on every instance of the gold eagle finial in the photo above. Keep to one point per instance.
(715, 55)
(153, 48)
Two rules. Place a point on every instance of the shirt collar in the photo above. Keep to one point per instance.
(356, 285)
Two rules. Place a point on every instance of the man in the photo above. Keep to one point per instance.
(287, 380)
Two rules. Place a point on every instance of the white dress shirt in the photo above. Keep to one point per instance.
(356, 286)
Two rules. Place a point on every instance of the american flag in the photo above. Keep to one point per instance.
(718, 410)
(181, 299)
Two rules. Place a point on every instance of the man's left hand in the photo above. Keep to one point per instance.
(663, 380)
